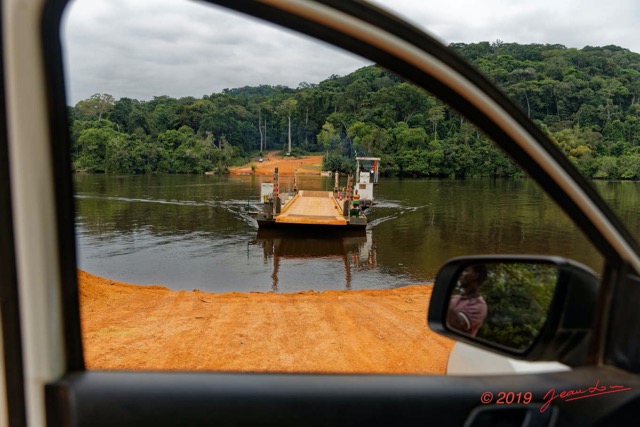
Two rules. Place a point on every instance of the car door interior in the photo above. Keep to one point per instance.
(92, 398)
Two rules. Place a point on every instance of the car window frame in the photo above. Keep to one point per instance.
(12, 411)
(276, 12)
(58, 132)
(99, 382)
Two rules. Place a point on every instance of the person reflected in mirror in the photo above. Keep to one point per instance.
(468, 309)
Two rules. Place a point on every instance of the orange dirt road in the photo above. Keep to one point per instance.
(129, 327)
(286, 165)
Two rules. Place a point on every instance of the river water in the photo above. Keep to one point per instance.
(196, 232)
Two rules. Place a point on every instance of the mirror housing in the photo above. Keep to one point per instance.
(566, 333)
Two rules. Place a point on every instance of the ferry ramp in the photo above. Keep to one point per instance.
(312, 207)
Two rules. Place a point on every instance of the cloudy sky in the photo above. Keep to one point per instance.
(145, 48)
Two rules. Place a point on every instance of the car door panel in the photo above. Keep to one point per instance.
(80, 398)
(145, 398)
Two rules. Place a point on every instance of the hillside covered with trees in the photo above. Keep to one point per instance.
(587, 100)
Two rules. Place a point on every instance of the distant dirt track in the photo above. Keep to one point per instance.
(286, 165)
(129, 327)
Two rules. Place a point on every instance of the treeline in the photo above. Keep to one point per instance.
(587, 100)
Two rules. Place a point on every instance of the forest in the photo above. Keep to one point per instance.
(587, 100)
(518, 297)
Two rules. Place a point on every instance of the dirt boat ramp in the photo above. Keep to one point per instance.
(129, 327)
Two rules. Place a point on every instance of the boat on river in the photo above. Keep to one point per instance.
(335, 210)
(366, 179)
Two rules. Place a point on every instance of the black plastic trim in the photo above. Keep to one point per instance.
(623, 340)
(61, 154)
(9, 295)
(98, 399)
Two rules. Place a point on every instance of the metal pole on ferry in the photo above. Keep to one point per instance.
(347, 199)
(276, 191)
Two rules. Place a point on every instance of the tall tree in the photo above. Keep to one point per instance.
(436, 114)
(96, 106)
(286, 109)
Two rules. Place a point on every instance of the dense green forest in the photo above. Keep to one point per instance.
(587, 100)
(518, 297)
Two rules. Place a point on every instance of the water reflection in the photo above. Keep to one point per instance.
(187, 232)
(354, 248)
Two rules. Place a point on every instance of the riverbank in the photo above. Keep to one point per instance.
(130, 327)
(287, 165)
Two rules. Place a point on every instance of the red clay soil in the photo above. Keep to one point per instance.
(305, 165)
(129, 327)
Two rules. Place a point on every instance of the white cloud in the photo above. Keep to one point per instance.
(573, 23)
(141, 49)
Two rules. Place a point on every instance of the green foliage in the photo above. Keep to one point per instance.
(96, 106)
(587, 101)
(337, 162)
(518, 297)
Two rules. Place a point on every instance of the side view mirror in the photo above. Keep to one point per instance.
(528, 307)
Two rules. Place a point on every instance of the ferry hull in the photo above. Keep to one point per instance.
(270, 222)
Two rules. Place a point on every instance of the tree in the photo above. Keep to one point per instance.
(93, 143)
(261, 129)
(410, 138)
(96, 106)
(524, 84)
(587, 100)
(436, 114)
(368, 139)
(328, 136)
(286, 109)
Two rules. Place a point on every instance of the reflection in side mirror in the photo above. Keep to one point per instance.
(505, 303)
(535, 307)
